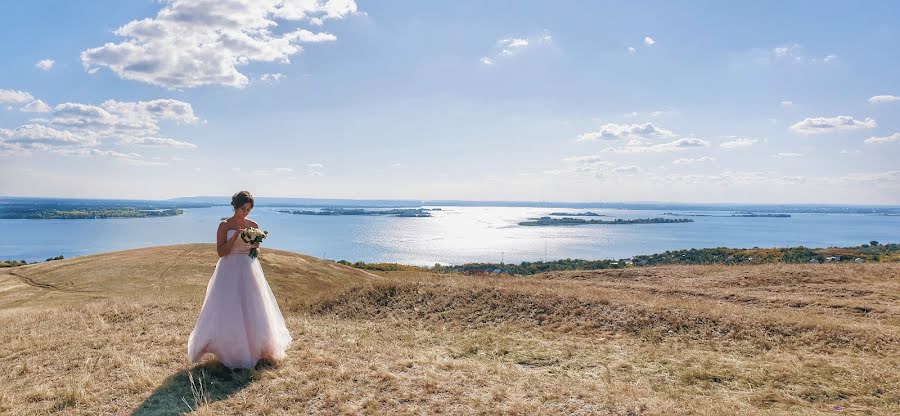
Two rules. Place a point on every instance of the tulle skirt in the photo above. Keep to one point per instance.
(240, 322)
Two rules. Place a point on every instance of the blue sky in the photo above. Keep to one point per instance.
(548, 101)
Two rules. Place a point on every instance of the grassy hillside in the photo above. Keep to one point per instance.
(107, 334)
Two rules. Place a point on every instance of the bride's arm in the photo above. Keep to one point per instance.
(223, 244)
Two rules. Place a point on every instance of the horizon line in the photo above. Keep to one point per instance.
(434, 201)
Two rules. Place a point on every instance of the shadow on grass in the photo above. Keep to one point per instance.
(186, 390)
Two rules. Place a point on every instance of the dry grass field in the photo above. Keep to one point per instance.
(107, 334)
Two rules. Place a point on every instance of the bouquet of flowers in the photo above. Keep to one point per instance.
(252, 235)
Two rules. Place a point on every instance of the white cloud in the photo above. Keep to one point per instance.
(487, 61)
(149, 112)
(736, 143)
(15, 97)
(203, 42)
(687, 161)
(272, 78)
(649, 41)
(887, 139)
(45, 64)
(818, 125)
(785, 155)
(786, 104)
(75, 129)
(632, 50)
(315, 166)
(30, 135)
(36, 106)
(882, 99)
(830, 58)
(614, 131)
(122, 119)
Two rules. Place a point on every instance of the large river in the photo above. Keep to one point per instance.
(452, 235)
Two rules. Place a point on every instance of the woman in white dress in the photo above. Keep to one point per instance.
(240, 322)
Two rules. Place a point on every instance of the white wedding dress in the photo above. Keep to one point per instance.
(240, 322)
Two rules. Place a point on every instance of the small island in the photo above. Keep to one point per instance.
(88, 213)
(401, 212)
(545, 221)
(77, 209)
(577, 214)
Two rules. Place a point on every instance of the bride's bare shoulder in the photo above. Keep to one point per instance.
(253, 223)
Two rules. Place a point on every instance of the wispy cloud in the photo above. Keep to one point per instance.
(883, 99)
(273, 172)
(511, 46)
(786, 155)
(159, 142)
(886, 139)
(45, 64)
(676, 145)
(738, 143)
(790, 53)
(818, 125)
(272, 78)
(688, 161)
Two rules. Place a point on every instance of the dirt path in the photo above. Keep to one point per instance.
(34, 283)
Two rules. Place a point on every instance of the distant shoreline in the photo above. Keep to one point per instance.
(208, 201)
(864, 253)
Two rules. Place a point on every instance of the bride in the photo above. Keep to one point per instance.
(240, 322)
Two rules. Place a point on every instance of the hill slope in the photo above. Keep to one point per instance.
(106, 334)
